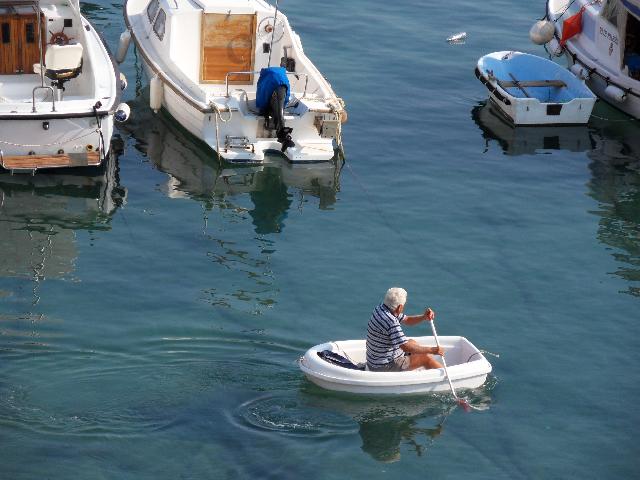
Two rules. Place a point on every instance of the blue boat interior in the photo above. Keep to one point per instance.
(524, 68)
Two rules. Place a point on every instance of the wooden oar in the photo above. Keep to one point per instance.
(517, 84)
(461, 401)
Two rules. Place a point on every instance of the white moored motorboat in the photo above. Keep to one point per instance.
(467, 366)
(532, 90)
(205, 59)
(601, 42)
(59, 89)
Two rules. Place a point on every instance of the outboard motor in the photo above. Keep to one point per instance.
(276, 111)
(272, 96)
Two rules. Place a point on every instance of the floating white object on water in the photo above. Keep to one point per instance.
(457, 38)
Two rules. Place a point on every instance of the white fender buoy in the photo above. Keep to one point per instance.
(123, 46)
(123, 81)
(155, 93)
(616, 94)
(554, 48)
(579, 71)
(123, 112)
(541, 32)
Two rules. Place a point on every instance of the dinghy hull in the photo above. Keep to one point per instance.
(531, 90)
(469, 369)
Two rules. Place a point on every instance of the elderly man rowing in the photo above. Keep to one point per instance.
(388, 350)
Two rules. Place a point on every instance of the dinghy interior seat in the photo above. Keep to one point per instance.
(62, 63)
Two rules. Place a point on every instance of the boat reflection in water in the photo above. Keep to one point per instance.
(390, 426)
(39, 217)
(230, 196)
(615, 184)
(613, 147)
(528, 140)
(195, 172)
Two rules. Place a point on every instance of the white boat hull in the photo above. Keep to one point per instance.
(223, 114)
(467, 367)
(74, 136)
(599, 49)
(309, 146)
(58, 118)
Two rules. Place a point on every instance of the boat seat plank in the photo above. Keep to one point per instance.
(32, 162)
(532, 83)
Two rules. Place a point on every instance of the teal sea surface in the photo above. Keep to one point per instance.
(151, 316)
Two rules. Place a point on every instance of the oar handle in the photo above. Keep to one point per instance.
(444, 362)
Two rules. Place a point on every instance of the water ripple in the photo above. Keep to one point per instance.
(289, 415)
(17, 410)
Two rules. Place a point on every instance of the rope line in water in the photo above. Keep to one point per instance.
(617, 121)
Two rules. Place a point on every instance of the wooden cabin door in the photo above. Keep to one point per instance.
(29, 53)
(228, 45)
(19, 43)
(8, 45)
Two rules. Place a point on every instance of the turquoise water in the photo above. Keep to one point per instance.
(151, 316)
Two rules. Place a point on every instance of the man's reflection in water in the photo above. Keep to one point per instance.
(382, 438)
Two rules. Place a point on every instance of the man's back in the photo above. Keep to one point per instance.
(384, 337)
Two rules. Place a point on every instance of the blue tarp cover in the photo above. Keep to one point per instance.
(270, 79)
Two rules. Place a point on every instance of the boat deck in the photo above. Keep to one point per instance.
(18, 89)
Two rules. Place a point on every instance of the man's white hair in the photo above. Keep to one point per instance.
(395, 296)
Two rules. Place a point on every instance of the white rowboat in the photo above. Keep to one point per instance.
(532, 90)
(468, 368)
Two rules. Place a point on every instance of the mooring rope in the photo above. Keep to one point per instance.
(630, 119)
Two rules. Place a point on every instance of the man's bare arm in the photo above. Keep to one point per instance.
(428, 315)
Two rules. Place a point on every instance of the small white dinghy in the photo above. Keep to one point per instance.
(532, 90)
(467, 366)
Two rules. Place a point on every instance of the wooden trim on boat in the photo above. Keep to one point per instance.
(35, 162)
(532, 83)
(219, 55)
(163, 76)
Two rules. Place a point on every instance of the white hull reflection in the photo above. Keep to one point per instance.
(522, 140)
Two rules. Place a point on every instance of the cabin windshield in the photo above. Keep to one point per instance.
(632, 47)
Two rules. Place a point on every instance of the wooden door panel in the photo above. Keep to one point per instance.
(228, 45)
(29, 51)
(19, 43)
(8, 44)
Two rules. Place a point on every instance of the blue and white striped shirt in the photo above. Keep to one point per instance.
(384, 336)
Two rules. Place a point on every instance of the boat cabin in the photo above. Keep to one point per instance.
(218, 42)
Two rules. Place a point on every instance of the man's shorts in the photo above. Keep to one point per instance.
(398, 365)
